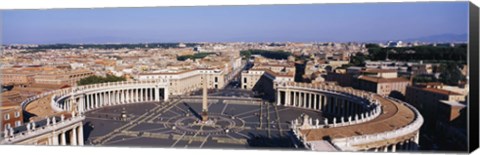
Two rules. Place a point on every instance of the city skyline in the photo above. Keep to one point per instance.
(263, 23)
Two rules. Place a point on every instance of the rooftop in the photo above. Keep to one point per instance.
(436, 90)
(383, 80)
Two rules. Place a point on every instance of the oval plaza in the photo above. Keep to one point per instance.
(352, 120)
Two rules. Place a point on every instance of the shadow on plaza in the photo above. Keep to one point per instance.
(195, 113)
(87, 130)
(263, 141)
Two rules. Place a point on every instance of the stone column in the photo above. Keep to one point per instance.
(122, 96)
(320, 104)
(315, 103)
(106, 100)
(132, 92)
(394, 147)
(300, 99)
(87, 97)
(287, 98)
(73, 136)
(416, 138)
(157, 94)
(136, 96)
(117, 97)
(79, 104)
(97, 100)
(50, 141)
(55, 139)
(304, 103)
(385, 148)
(146, 94)
(294, 98)
(92, 102)
(102, 99)
(166, 93)
(109, 93)
(63, 138)
(80, 135)
(140, 95)
(112, 94)
(127, 96)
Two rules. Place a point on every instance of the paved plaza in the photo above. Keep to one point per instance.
(175, 124)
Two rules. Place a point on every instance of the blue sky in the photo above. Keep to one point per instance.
(266, 23)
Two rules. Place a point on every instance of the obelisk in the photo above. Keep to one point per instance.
(204, 99)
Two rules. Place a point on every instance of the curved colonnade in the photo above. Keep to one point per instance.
(89, 97)
(356, 120)
(70, 104)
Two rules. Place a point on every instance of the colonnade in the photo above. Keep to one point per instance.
(96, 99)
(406, 145)
(70, 136)
(327, 103)
(53, 131)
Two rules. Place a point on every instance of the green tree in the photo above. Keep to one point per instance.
(450, 74)
(98, 79)
(358, 59)
(425, 53)
(194, 56)
(279, 54)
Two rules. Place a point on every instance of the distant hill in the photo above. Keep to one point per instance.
(440, 38)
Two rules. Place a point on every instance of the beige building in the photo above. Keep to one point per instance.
(62, 77)
(16, 77)
(275, 70)
(189, 80)
(383, 82)
(431, 93)
(265, 73)
(442, 110)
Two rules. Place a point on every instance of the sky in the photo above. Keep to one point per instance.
(264, 23)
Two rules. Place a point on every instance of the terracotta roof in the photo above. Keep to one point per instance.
(379, 71)
(383, 80)
(289, 74)
(179, 72)
(49, 86)
(438, 91)
(394, 116)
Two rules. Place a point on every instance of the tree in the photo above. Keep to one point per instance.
(266, 53)
(98, 79)
(450, 74)
(425, 53)
(358, 59)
